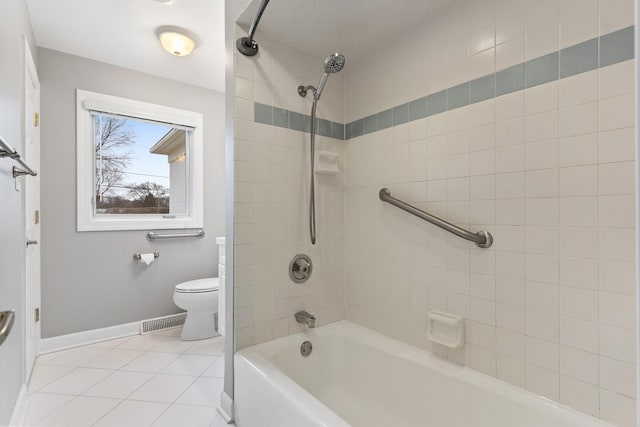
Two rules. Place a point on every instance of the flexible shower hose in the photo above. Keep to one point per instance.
(312, 191)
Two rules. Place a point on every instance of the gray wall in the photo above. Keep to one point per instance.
(15, 26)
(89, 279)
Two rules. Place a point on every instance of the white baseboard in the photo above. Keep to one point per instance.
(63, 342)
(20, 410)
(225, 409)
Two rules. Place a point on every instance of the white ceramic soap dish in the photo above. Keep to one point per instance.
(446, 329)
(327, 162)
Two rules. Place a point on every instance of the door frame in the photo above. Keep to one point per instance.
(31, 272)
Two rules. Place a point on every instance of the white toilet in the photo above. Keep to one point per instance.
(200, 299)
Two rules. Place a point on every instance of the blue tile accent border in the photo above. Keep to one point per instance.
(482, 89)
(541, 70)
(401, 114)
(602, 51)
(263, 113)
(385, 119)
(617, 46)
(458, 96)
(268, 115)
(510, 80)
(418, 109)
(357, 128)
(325, 128)
(280, 117)
(437, 103)
(371, 123)
(348, 131)
(337, 131)
(296, 121)
(578, 59)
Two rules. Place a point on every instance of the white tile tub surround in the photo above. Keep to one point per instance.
(271, 206)
(549, 170)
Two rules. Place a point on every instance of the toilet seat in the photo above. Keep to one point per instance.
(210, 284)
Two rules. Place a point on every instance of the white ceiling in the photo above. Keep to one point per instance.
(352, 27)
(122, 33)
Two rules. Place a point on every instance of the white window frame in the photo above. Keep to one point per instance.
(87, 102)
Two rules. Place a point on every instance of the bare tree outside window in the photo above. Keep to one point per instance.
(135, 162)
(150, 197)
(112, 138)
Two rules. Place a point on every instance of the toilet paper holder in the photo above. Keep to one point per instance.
(138, 257)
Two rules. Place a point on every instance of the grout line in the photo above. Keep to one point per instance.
(161, 414)
(215, 358)
(108, 412)
(598, 290)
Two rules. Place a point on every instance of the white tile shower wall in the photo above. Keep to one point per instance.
(548, 170)
(271, 206)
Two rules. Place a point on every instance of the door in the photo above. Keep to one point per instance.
(31, 200)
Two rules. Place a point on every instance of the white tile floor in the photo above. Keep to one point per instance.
(146, 380)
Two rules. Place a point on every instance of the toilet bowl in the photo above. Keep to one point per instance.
(200, 299)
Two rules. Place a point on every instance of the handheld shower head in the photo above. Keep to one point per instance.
(333, 64)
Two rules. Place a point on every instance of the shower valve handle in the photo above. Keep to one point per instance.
(300, 268)
(301, 265)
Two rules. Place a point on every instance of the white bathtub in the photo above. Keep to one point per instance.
(356, 377)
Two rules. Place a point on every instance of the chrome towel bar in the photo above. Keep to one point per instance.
(154, 236)
(482, 239)
(8, 151)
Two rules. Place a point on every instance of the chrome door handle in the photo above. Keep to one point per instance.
(6, 323)
(31, 242)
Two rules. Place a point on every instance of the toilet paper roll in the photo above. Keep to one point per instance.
(147, 258)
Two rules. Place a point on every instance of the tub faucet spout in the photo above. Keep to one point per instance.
(306, 319)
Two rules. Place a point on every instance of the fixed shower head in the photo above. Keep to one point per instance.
(333, 64)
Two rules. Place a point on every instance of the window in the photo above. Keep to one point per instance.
(139, 165)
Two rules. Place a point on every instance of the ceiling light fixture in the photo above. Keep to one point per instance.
(167, 2)
(176, 40)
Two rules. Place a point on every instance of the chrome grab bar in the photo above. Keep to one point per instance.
(6, 323)
(154, 236)
(8, 151)
(482, 239)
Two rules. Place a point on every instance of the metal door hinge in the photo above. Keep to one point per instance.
(36, 119)
(36, 217)
(38, 314)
